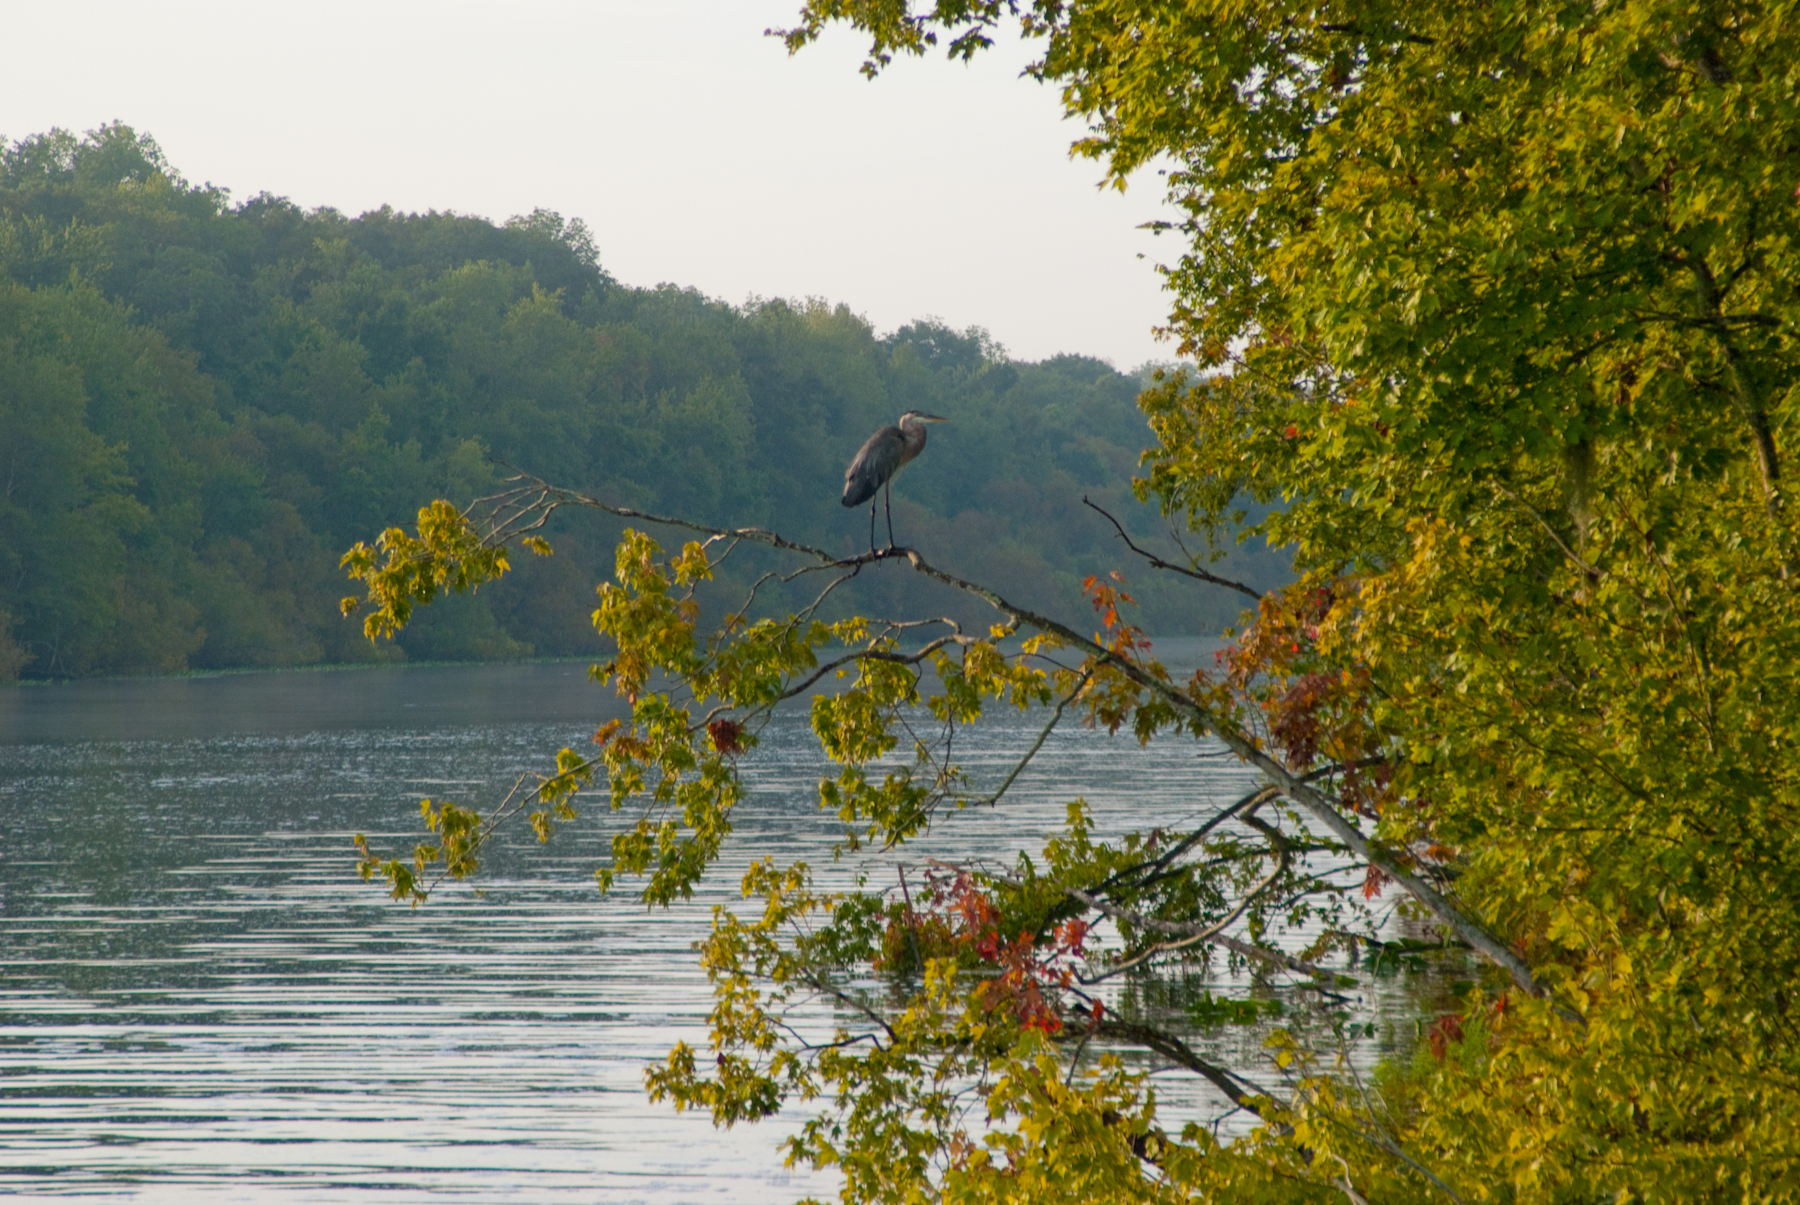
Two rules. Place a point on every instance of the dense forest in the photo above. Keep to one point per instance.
(203, 403)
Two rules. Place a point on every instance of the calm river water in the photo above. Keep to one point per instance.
(199, 999)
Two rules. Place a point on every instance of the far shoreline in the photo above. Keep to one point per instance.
(324, 667)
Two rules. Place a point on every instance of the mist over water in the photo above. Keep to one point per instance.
(199, 999)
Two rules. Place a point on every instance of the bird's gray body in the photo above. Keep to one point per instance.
(886, 453)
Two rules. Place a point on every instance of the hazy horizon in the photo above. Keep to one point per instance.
(694, 148)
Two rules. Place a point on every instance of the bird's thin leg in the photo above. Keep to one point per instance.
(887, 504)
(871, 525)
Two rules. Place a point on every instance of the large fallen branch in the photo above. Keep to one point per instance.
(526, 509)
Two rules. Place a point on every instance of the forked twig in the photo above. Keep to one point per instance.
(1159, 563)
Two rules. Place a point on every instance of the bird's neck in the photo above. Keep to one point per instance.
(914, 432)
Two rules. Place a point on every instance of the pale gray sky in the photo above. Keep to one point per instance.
(694, 147)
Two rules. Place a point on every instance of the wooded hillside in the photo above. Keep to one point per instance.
(205, 402)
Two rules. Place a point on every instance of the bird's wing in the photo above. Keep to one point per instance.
(873, 466)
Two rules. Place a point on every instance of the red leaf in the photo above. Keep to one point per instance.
(1445, 1030)
(727, 736)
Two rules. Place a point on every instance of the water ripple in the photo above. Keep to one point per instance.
(199, 1000)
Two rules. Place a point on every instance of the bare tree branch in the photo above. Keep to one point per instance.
(1210, 934)
(1195, 934)
(1240, 1091)
(1159, 563)
(1019, 766)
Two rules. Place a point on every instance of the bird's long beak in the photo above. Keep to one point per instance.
(931, 418)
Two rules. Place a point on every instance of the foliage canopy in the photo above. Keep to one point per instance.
(1503, 300)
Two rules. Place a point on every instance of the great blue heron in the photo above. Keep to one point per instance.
(887, 451)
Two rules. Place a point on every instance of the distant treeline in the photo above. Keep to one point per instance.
(202, 404)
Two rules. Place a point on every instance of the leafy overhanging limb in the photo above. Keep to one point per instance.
(460, 550)
(1320, 805)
